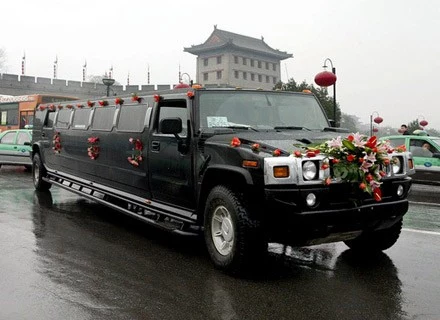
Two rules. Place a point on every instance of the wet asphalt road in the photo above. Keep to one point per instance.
(63, 257)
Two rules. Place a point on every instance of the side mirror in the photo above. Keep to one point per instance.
(436, 155)
(170, 126)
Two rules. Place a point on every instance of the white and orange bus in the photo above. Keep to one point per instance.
(17, 112)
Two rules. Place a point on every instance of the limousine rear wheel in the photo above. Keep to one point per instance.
(234, 241)
(38, 172)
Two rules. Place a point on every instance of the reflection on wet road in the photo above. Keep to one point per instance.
(63, 257)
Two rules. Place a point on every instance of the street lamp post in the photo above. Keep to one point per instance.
(326, 79)
(108, 82)
(377, 120)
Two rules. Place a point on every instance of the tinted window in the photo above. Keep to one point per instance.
(132, 118)
(49, 120)
(81, 118)
(63, 118)
(103, 118)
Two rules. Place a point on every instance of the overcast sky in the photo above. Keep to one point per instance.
(386, 52)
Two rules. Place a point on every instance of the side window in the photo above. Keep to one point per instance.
(132, 118)
(103, 118)
(81, 118)
(22, 138)
(9, 138)
(174, 109)
(49, 120)
(418, 148)
(397, 142)
(63, 118)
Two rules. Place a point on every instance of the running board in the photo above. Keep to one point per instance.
(139, 211)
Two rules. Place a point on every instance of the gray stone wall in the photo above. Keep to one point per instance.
(14, 85)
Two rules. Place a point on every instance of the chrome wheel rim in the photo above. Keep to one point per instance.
(223, 233)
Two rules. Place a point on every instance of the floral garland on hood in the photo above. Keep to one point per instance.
(357, 158)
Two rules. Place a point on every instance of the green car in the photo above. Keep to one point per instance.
(15, 148)
(426, 155)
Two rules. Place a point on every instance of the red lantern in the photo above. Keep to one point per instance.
(378, 120)
(423, 123)
(325, 79)
(375, 130)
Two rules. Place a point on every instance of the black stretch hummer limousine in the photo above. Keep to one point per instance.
(217, 162)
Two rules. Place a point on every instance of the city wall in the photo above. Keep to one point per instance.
(16, 85)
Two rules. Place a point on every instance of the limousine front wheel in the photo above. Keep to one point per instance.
(234, 241)
(38, 172)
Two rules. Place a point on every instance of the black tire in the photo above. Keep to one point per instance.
(38, 172)
(234, 241)
(376, 241)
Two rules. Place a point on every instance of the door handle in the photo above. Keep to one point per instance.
(155, 145)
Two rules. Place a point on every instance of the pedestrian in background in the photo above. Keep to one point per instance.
(404, 129)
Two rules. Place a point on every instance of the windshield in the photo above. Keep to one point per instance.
(261, 110)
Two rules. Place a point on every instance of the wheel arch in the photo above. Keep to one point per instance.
(238, 179)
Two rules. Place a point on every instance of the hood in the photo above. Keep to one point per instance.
(286, 141)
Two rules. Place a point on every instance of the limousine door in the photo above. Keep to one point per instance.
(171, 176)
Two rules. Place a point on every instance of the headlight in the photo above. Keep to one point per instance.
(397, 165)
(309, 169)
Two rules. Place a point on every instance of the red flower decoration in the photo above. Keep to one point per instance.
(371, 143)
(90, 103)
(157, 98)
(297, 154)
(235, 142)
(60, 107)
(79, 105)
(119, 101)
(52, 107)
(401, 148)
(310, 153)
(350, 158)
(103, 103)
(276, 153)
(41, 108)
(190, 94)
(255, 147)
(135, 97)
(377, 194)
(136, 156)
(56, 141)
(327, 181)
(93, 149)
(69, 106)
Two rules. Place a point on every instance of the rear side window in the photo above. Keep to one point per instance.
(63, 118)
(81, 118)
(132, 118)
(103, 118)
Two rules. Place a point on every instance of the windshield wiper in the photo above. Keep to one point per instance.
(291, 128)
(238, 127)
